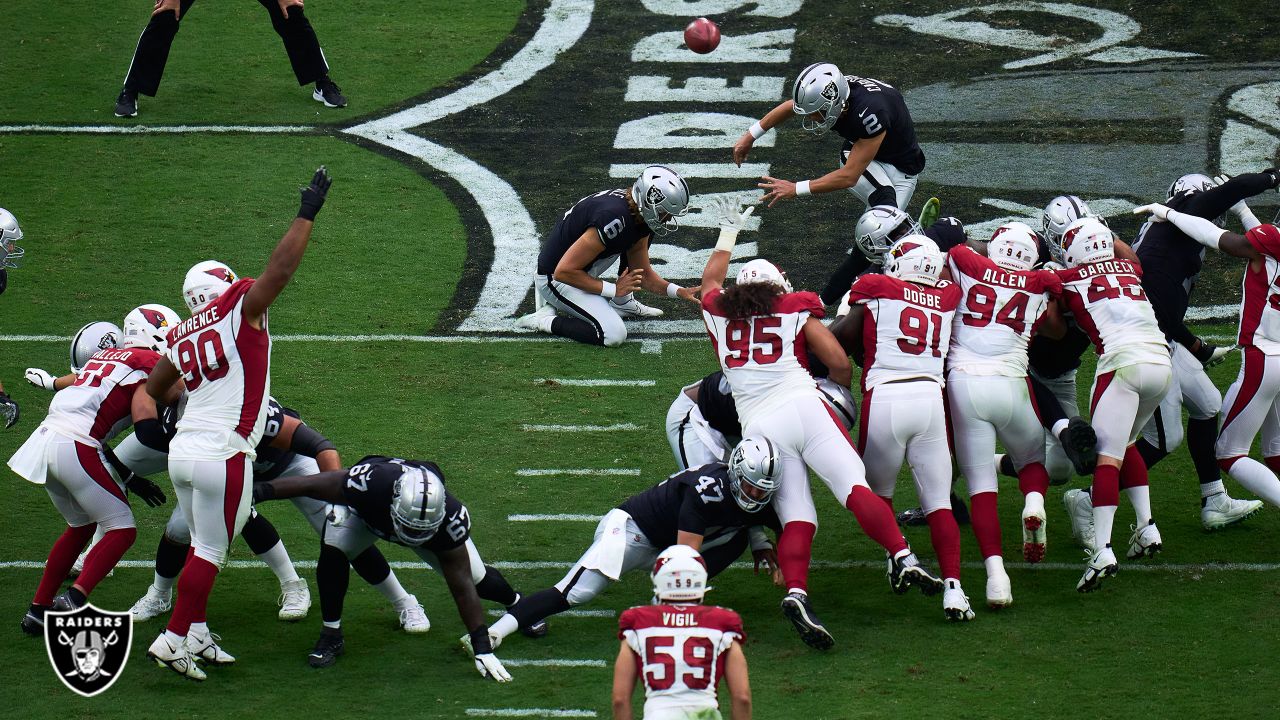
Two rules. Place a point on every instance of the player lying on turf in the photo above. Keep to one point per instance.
(694, 645)
(716, 508)
(404, 502)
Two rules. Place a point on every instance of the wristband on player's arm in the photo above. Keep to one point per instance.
(757, 130)
(480, 643)
(306, 441)
(608, 289)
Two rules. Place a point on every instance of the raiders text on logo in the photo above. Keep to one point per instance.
(88, 647)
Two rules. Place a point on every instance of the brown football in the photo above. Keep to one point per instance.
(702, 36)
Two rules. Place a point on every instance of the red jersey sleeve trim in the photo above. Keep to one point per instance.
(711, 302)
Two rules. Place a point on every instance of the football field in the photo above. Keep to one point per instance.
(471, 126)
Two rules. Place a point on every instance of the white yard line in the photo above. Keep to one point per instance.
(580, 428)
(578, 613)
(553, 662)
(557, 517)
(577, 382)
(540, 472)
(529, 712)
(652, 347)
(153, 129)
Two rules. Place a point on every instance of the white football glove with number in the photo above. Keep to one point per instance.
(490, 666)
(40, 379)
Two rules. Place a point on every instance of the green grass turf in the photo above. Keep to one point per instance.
(388, 251)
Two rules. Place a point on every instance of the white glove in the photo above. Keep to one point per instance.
(1219, 354)
(490, 666)
(40, 379)
(732, 221)
(1052, 265)
(1158, 212)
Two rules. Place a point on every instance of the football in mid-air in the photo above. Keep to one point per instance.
(702, 36)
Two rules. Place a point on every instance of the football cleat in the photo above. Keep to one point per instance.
(535, 631)
(1145, 542)
(33, 622)
(413, 618)
(534, 321)
(913, 517)
(126, 104)
(152, 604)
(1079, 506)
(327, 649)
(999, 590)
(955, 604)
(1034, 537)
(65, 603)
(797, 609)
(905, 572)
(327, 92)
(1102, 564)
(1220, 510)
(1080, 444)
(633, 308)
(177, 659)
(929, 212)
(295, 600)
(204, 646)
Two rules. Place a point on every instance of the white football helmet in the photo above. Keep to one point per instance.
(1087, 241)
(1058, 214)
(754, 469)
(205, 281)
(148, 326)
(10, 234)
(761, 271)
(680, 575)
(417, 505)
(1190, 183)
(879, 228)
(840, 400)
(1014, 246)
(915, 258)
(90, 339)
(662, 196)
(822, 90)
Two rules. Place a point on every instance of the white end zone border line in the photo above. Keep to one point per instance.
(529, 712)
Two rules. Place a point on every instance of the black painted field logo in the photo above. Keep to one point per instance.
(88, 647)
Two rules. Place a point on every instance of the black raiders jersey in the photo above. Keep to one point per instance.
(876, 107)
(272, 461)
(715, 402)
(609, 212)
(1050, 358)
(698, 501)
(368, 490)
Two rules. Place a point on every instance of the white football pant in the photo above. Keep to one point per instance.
(1190, 387)
(1123, 401)
(985, 408)
(215, 498)
(907, 420)
(83, 487)
(693, 441)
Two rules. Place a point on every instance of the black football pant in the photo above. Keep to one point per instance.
(153, 47)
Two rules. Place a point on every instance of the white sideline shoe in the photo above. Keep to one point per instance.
(1221, 510)
(955, 604)
(413, 618)
(1101, 565)
(177, 659)
(152, 604)
(1145, 541)
(534, 320)
(635, 308)
(204, 646)
(1079, 506)
(295, 600)
(1034, 536)
(999, 589)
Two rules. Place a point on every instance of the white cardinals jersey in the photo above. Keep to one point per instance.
(1260, 306)
(226, 365)
(764, 358)
(998, 315)
(907, 328)
(99, 403)
(681, 653)
(1109, 304)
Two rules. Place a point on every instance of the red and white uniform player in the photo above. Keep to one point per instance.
(989, 396)
(1106, 298)
(222, 355)
(762, 334)
(66, 455)
(680, 648)
(900, 322)
(1252, 404)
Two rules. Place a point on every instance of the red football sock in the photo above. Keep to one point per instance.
(1133, 473)
(945, 535)
(876, 519)
(888, 501)
(104, 556)
(193, 595)
(1033, 478)
(795, 547)
(1106, 485)
(986, 523)
(63, 555)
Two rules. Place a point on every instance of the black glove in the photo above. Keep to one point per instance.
(313, 195)
(262, 492)
(150, 493)
(8, 410)
(1274, 174)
